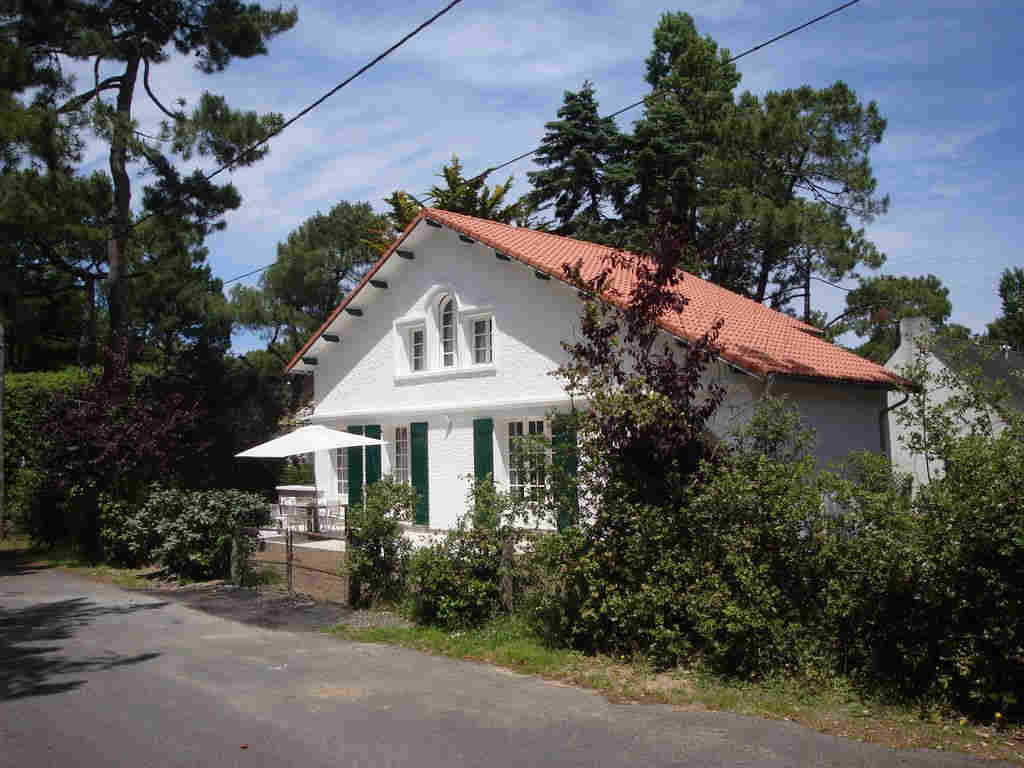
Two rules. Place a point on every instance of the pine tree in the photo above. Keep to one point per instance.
(1009, 327)
(134, 39)
(575, 150)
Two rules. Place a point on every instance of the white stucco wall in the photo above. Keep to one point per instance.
(845, 418)
(918, 466)
(365, 378)
(913, 332)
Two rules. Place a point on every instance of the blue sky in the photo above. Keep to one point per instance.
(483, 80)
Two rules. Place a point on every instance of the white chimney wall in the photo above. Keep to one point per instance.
(912, 328)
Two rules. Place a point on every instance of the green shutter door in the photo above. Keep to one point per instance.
(355, 471)
(418, 465)
(372, 455)
(566, 460)
(483, 448)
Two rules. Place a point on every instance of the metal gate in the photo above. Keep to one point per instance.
(303, 551)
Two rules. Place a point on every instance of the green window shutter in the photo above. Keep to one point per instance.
(418, 465)
(372, 455)
(566, 462)
(483, 448)
(355, 471)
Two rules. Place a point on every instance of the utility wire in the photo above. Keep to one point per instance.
(524, 155)
(248, 274)
(302, 113)
(636, 104)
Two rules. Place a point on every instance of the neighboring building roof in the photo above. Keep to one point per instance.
(753, 337)
(1003, 365)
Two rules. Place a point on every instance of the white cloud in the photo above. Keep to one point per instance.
(484, 79)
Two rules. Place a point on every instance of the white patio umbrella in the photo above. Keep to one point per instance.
(308, 439)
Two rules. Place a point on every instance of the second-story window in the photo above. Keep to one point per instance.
(482, 341)
(417, 349)
(448, 340)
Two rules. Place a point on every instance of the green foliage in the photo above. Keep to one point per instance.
(1008, 328)
(770, 188)
(27, 400)
(297, 473)
(459, 195)
(793, 213)
(457, 582)
(195, 529)
(970, 578)
(574, 152)
(478, 572)
(57, 225)
(874, 310)
(377, 554)
(129, 533)
(731, 572)
(316, 267)
(973, 521)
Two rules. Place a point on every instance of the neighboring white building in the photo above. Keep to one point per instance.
(918, 339)
(446, 347)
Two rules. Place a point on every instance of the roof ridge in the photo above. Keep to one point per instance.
(714, 286)
(756, 338)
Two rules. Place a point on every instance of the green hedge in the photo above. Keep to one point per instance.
(27, 399)
(188, 532)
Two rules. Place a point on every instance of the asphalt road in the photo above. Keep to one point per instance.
(94, 676)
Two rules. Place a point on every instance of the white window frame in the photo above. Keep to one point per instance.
(413, 357)
(528, 471)
(471, 336)
(401, 470)
(447, 305)
(341, 472)
(427, 316)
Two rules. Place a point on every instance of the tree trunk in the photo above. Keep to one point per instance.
(807, 292)
(121, 211)
(87, 339)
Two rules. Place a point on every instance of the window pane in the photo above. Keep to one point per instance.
(401, 469)
(529, 454)
(448, 333)
(482, 341)
(418, 345)
(341, 470)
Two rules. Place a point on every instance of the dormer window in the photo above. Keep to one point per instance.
(449, 343)
(445, 337)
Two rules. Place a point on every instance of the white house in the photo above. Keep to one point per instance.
(919, 341)
(445, 350)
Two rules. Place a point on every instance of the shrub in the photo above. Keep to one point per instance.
(759, 555)
(458, 582)
(973, 579)
(129, 534)
(733, 571)
(28, 398)
(116, 435)
(196, 528)
(377, 555)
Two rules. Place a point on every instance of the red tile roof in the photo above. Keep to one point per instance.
(753, 337)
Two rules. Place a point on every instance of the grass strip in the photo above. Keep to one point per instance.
(834, 706)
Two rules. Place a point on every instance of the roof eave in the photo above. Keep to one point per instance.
(355, 291)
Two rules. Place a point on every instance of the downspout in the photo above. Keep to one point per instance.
(883, 427)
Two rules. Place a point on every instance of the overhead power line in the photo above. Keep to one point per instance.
(636, 104)
(524, 155)
(302, 113)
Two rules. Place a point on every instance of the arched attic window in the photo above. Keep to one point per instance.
(446, 324)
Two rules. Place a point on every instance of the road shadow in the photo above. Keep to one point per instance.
(269, 609)
(20, 562)
(33, 661)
